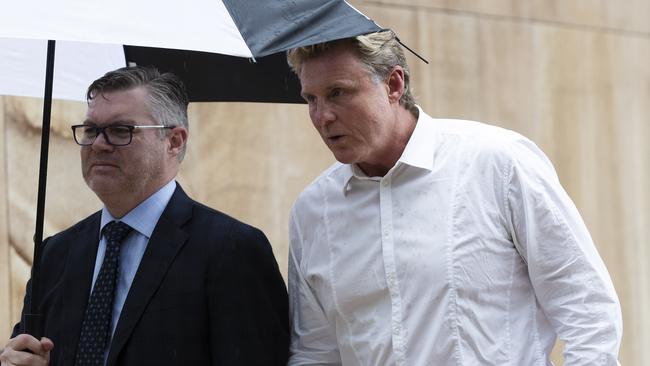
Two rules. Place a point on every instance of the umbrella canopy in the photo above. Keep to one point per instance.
(238, 45)
(229, 50)
(207, 76)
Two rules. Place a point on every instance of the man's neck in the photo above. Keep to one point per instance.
(125, 203)
(402, 134)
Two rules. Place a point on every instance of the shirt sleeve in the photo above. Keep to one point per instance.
(313, 336)
(569, 278)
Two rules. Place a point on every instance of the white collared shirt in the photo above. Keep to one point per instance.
(467, 252)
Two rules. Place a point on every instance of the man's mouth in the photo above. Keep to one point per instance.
(102, 165)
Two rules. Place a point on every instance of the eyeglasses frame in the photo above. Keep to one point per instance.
(102, 130)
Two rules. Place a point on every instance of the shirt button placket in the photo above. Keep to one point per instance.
(386, 219)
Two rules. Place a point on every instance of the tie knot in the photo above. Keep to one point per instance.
(116, 231)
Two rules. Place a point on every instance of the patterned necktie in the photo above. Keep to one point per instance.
(96, 327)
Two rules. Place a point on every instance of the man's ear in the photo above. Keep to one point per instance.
(177, 139)
(395, 84)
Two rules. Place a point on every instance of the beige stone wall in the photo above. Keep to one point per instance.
(574, 76)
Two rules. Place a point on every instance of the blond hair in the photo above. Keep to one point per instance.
(379, 52)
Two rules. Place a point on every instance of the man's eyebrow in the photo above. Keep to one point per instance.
(112, 123)
(344, 83)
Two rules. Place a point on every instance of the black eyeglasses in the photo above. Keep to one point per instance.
(115, 135)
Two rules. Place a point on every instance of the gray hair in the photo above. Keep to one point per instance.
(168, 98)
(379, 52)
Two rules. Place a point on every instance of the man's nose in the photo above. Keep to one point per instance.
(322, 114)
(101, 143)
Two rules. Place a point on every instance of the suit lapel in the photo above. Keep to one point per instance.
(77, 282)
(165, 242)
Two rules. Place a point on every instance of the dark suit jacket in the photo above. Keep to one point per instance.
(208, 292)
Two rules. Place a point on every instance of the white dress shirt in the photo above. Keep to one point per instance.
(467, 252)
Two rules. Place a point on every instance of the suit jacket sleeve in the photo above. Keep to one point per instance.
(248, 304)
(19, 328)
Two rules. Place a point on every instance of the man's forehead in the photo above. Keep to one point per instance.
(333, 75)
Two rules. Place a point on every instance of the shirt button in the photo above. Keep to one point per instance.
(385, 183)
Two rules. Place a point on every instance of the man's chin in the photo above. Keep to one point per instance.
(103, 186)
(344, 158)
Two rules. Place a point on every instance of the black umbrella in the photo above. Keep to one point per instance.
(267, 28)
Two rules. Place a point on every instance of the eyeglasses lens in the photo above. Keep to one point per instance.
(115, 135)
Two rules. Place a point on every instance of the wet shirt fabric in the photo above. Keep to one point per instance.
(467, 252)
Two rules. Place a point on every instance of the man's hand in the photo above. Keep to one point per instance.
(26, 350)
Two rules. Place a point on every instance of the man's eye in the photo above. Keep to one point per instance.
(90, 131)
(336, 92)
(119, 131)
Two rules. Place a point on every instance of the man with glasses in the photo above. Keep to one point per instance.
(154, 278)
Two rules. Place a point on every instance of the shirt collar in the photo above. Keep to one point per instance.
(419, 150)
(421, 146)
(144, 217)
